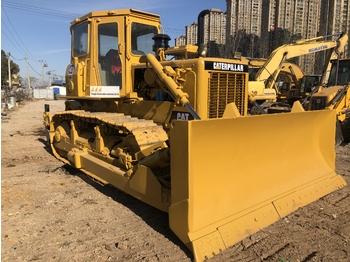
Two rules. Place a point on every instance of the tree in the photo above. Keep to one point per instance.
(33, 80)
(5, 70)
(234, 43)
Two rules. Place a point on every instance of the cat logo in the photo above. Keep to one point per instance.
(318, 101)
(182, 116)
(176, 115)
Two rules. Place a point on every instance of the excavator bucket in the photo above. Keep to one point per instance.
(232, 177)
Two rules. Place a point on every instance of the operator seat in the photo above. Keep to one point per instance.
(112, 65)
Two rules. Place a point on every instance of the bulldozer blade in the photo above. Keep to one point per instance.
(232, 177)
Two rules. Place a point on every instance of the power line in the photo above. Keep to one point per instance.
(16, 58)
(14, 44)
(16, 33)
(175, 30)
(34, 69)
(39, 10)
(47, 11)
(9, 31)
(44, 11)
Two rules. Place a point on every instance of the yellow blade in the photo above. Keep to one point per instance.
(233, 177)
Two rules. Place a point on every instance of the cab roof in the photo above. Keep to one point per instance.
(123, 12)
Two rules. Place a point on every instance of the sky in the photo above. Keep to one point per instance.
(39, 29)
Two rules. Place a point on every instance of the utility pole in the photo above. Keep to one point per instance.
(54, 75)
(10, 81)
(49, 77)
(9, 68)
(28, 76)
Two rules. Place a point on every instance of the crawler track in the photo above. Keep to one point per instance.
(146, 132)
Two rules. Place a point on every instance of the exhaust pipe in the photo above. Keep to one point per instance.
(202, 47)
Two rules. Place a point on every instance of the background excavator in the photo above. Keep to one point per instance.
(176, 134)
(327, 91)
(334, 94)
(291, 84)
(298, 86)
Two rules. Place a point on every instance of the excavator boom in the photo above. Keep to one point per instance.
(264, 87)
(301, 47)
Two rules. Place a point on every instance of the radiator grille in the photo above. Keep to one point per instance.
(226, 88)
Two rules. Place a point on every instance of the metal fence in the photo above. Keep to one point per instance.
(44, 93)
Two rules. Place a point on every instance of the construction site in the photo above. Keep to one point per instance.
(51, 212)
(161, 153)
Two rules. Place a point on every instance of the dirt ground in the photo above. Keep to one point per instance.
(51, 212)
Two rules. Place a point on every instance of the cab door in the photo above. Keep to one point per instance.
(109, 54)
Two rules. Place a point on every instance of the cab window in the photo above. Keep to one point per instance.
(141, 38)
(110, 65)
(80, 39)
(340, 76)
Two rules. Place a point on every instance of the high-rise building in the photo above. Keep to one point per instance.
(276, 22)
(214, 34)
(283, 21)
(216, 24)
(257, 27)
(179, 41)
(191, 34)
(334, 18)
(243, 16)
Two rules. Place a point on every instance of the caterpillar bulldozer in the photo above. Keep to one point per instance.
(175, 133)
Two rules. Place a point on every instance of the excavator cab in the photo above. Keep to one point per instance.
(309, 82)
(340, 73)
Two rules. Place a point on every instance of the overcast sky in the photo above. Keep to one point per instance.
(40, 28)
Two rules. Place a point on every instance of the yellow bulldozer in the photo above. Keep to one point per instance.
(175, 133)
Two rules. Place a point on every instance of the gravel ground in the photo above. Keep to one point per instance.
(52, 212)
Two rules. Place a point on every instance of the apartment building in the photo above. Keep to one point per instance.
(191, 34)
(179, 41)
(214, 33)
(334, 18)
(283, 21)
(244, 15)
(216, 24)
(243, 18)
(271, 23)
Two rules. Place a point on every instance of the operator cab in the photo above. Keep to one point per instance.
(104, 46)
(340, 73)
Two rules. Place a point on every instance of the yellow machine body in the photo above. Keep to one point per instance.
(176, 133)
(276, 63)
(335, 95)
(291, 82)
(242, 180)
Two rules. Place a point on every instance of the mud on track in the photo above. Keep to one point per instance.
(52, 212)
